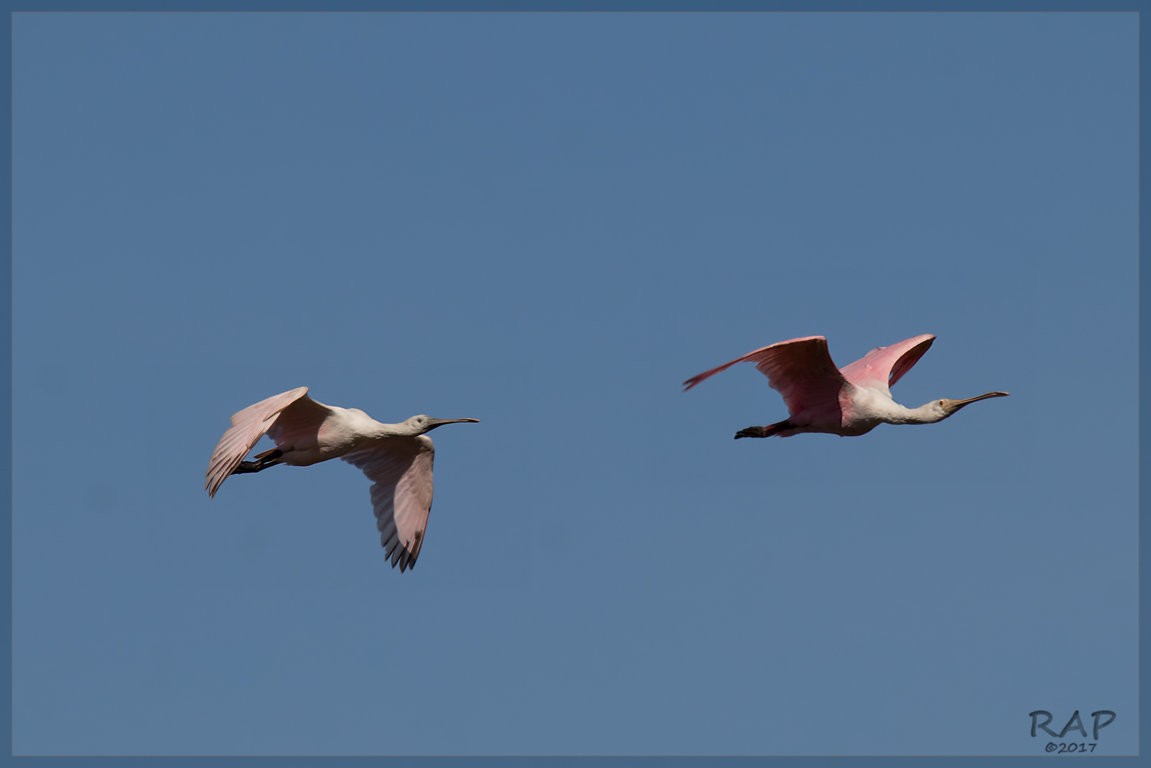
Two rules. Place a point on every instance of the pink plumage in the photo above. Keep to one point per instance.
(851, 401)
(397, 458)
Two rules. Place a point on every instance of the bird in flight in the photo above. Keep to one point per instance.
(397, 458)
(851, 401)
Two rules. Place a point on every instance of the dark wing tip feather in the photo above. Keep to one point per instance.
(692, 382)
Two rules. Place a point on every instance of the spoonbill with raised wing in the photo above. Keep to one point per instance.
(397, 458)
(853, 401)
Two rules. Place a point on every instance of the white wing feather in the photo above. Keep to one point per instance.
(401, 475)
(248, 426)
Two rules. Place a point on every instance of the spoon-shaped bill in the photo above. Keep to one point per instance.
(954, 405)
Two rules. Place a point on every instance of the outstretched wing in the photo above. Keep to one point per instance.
(248, 426)
(401, 473)
(799, 369)
(883, 366)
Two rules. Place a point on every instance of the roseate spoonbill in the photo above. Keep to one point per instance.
(397, 458)
(847, 402)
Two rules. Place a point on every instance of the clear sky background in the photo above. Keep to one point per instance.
(548, 222)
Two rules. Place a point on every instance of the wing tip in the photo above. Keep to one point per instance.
(404, 559)
(750, 357)
(212, 485)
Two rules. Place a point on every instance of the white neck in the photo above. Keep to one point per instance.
(928, 413)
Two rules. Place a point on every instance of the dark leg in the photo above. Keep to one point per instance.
(768, 431)
(263, 461)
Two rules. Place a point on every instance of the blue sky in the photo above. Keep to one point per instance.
(548, 222)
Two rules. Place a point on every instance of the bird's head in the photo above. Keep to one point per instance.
(945, 407)
(421, 423)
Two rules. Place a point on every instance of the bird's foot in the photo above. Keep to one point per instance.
(263, 461)
(768, 431)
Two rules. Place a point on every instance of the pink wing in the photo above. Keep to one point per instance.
(883, 366)
(401, 475)
(799, 369)
(248, 426)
